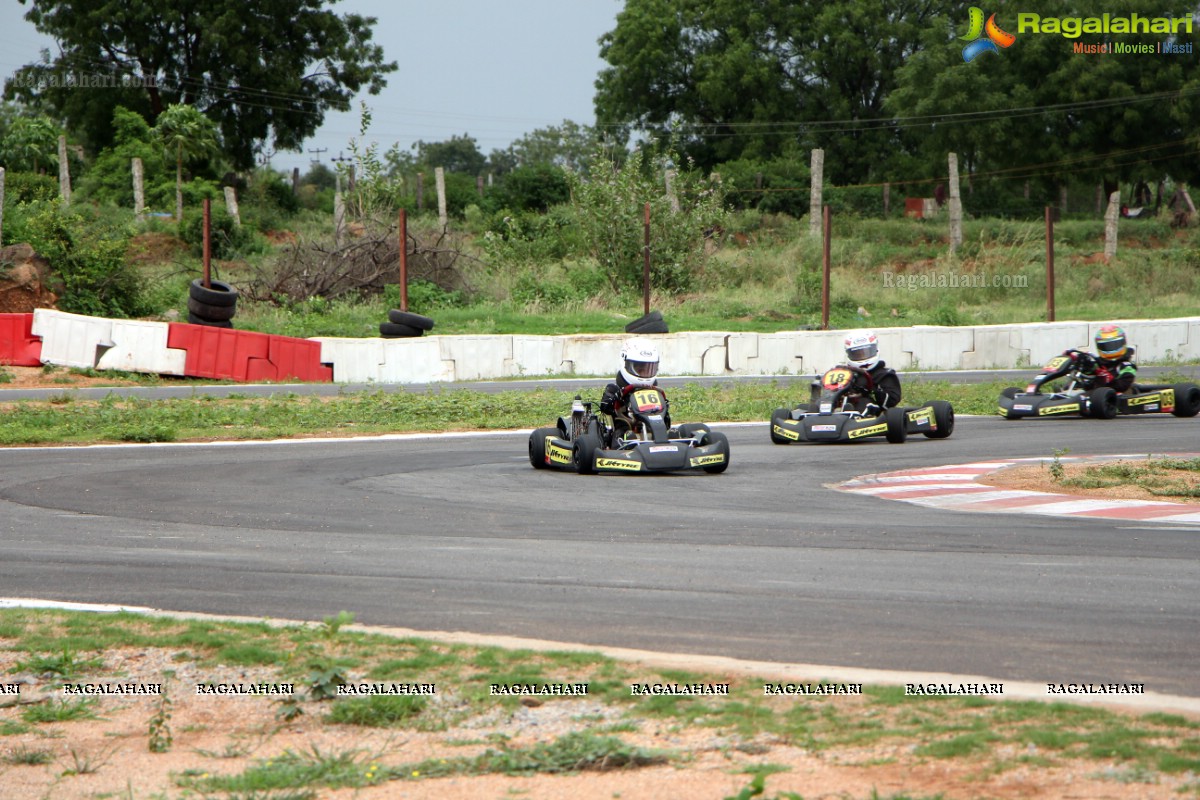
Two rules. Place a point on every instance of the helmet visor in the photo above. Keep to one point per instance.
(862, 352)
(642, 369)
(1111, 347)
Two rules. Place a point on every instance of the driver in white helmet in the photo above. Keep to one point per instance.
(862, 351)
(639, 368)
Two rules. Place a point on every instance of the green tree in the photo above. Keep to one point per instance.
(30, 144)
(186, 134)
(261, 71)
(458, 154)
(610, 204)
(568, 145)
(746, 79)
(1041, 112)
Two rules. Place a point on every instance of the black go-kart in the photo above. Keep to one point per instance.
(1081, 396)
(635, 439)
(838, 412)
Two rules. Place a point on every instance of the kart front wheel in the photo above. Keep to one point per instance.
(777, 418)
(719, 439)
(1103, 402)
(943, 420)
(584, 453)
(1187, 399)
(691, 429)
(897, 425)
(537, 446)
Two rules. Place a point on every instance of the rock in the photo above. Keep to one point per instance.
(24, 280)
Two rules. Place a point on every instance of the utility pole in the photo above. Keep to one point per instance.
(318, 151)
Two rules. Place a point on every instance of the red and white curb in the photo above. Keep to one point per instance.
(957, 487)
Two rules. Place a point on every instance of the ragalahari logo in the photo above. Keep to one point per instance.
(991, 43)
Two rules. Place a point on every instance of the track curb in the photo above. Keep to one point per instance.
(956, 487)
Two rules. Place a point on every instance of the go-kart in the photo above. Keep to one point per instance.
(634, 439)
(1081, 396)
(838, 412)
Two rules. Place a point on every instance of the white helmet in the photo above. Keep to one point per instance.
(862, 349)
(639, 362)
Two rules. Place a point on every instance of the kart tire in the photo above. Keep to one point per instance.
(584, 453)
(897, 425)
(208, 312)
(1010, 392)
(1102, 402)
(1187, 399)
(395, 330)
(943, 418)
(717, 438)
(417, 321)
(690, 429)
(212, 323)
(537, 446)
(218, 293)
(779, 415)
(650, 323)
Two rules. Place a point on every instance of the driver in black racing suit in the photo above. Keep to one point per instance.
(862, 351)
(1114, 366)
(639, 368)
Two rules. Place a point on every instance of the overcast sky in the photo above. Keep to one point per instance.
(493, 70)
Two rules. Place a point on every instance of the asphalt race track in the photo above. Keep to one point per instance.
(763, 562)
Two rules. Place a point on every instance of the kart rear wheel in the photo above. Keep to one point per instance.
(897, 425)
(1103, 402)
(943, 418)
(584, 453)
(711, 438)
(537, 446)
(779, 415)
(1187, 399)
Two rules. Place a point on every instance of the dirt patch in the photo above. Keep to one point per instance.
(49, 377)
(222, 735)
(154, 248)
(1038, 479)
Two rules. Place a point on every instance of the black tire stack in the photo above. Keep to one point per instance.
(403, 324)
(651, 323)
(214, 305)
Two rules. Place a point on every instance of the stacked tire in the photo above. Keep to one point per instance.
(651, 323)
(213, 305)
(403, 324)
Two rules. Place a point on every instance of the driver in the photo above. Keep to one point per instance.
(639, 368)
(862, 351)
(1114, 365)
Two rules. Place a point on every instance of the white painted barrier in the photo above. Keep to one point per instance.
(141, 346)
(71, 340)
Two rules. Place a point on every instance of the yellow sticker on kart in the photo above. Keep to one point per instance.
(618, 463)
(1167, 396)
(870, 430)
(786, 433)
(703, 461)
(923, 416)
(557, 454)
(1067, 409)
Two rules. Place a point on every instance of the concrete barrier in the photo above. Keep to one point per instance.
(78, 341)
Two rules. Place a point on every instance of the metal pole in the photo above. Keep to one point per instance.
(207, 247)
(1049, 265)
(646, 264)
(403, 260)
(825, 227)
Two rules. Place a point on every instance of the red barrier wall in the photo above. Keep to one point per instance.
(18, 346)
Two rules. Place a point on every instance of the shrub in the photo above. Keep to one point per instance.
(87, 254)
(226, 238)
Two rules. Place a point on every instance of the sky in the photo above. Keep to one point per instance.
(493, 71)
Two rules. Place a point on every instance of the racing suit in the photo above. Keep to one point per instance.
(611, 402)
(1117, 373)
(886, 385)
